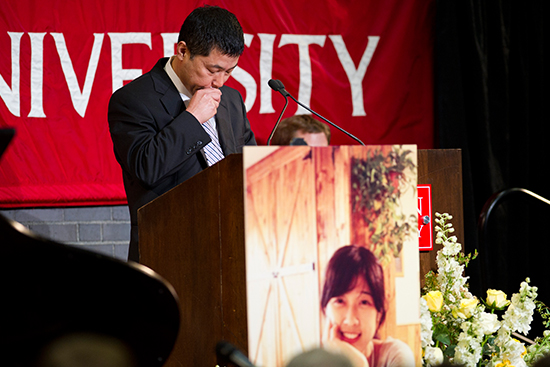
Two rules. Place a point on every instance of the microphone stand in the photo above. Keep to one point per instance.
(324, 119)
(278, 86)
(278, 121)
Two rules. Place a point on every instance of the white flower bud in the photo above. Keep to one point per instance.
(433, 356)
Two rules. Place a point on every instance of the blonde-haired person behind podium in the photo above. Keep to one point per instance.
(354, 305)
(314, 132)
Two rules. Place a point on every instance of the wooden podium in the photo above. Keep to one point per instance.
(194, 237)
(442, 168)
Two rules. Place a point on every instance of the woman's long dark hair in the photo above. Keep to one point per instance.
(349, 263)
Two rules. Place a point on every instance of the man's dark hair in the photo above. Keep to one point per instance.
(288, 128)
(210, 27)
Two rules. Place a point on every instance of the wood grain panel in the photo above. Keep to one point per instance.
(442, 168)
(182, 234)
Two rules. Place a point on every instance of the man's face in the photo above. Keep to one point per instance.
(200, 72)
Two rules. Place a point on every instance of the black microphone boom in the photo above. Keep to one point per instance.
(230, 353)
(278, 86)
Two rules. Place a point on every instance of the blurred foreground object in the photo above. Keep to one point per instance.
(319, 358)
(65, 306)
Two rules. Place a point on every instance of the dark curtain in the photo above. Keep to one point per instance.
(491, 88)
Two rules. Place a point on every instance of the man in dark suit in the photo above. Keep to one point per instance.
(179, 118)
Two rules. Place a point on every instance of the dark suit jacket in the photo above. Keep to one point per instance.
(159, 145)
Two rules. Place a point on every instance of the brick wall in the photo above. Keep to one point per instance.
(104, 229)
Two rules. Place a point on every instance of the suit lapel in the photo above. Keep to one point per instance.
(170, 98)
(225, 130)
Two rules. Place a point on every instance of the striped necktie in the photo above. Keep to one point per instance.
(212, 150)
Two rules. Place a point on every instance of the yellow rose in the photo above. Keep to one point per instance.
(467, 306)
(434, 299)
(496, 298)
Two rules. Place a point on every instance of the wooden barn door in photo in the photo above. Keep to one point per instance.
(281, 246)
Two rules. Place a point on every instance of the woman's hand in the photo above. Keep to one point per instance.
(333, 343)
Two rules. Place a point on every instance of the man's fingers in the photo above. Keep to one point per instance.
(204, 103)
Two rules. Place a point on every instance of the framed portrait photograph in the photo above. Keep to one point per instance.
(331, 242)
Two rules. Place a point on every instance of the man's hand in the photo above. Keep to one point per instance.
(204, 103)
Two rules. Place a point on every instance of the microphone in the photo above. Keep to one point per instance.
(230, 353)
(278, 86)
(298, 141)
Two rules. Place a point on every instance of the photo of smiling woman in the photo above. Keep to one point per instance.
(353, 303)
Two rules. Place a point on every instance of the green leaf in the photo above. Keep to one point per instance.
(444, 338)
(450, 351)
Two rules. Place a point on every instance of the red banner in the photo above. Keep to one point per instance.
(363, 65)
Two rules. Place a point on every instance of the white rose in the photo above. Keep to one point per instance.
(433, 356)
(488, 322)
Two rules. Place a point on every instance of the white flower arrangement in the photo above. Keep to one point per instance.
(458, 328)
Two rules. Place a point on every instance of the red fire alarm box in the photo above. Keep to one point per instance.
(425, 232)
